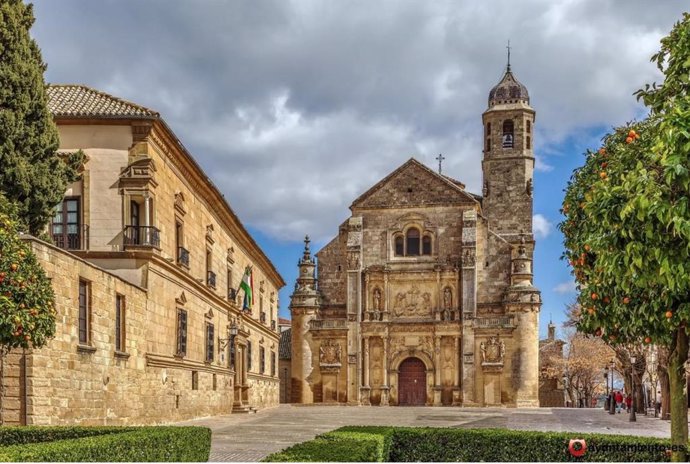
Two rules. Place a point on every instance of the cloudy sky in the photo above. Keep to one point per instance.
(294, 108)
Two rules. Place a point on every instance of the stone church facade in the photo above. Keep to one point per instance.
(425, 296)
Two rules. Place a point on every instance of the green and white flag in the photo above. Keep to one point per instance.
(247, 285)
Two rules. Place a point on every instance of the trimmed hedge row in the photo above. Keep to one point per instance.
(121, 444)
(36, 434)
(399, 444)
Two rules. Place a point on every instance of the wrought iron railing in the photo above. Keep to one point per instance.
(78, 239)
(142, 236)
(183, 256)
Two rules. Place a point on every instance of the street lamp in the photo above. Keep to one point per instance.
(612, 403)
(230, 341)
(633, 417)
(606, 381)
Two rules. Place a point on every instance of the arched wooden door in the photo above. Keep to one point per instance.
(412, 383)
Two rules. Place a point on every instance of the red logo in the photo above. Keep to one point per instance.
(577, 447)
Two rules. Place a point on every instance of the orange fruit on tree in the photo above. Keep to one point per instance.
(647, 340)
(631, 133)
(602, 151)
(591, 310)
(628, 140)
(602, 174)
(669, 314)
(626, 300)
(14, 266)
(594, 296)
(606, 300)
(587, 247)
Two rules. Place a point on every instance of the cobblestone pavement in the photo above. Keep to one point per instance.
(252, 437)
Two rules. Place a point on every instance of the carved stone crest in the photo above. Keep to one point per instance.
(330, 353)
(493, 351)
(353, 260)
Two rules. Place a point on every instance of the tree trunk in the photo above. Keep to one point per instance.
(679, 399)
(664, 383)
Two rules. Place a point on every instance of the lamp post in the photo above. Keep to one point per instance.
(230, 341)
(612, 403)
(633, 417)
(607, 402)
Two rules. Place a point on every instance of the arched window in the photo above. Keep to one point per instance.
(488, 129)
(488, 144)
(529, 126)
(426, 245)
(399, 245)
(508, 133)
(529, 143)
(413, 242)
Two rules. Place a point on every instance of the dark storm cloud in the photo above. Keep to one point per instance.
(295, 108)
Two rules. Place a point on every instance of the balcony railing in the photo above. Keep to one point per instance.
(232, 295)
(77, 240)
(183, 256)
(211, 279)
(145, 236)
(262, 317)
(273, 325)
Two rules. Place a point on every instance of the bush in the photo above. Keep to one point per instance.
(123, 444)
(33, 434)
(453, 445)
(348, 444)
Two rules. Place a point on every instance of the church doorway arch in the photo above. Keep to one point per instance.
(412, 382)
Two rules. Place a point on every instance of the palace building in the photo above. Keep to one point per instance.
(146, 260)
(425, 295)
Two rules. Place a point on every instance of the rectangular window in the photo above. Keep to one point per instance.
(215, 382)
(249, 356)
(209, 342)
(231, 289)
(273, 363)
(120, 328)
(262, 360)
(66, 229)
(84, 313)
(195, 380)
(181, 332)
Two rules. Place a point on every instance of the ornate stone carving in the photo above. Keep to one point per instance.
(412, 303)
(353, 260)
(447, 298)
(179, 203)
(377, 300)
(493, 351)
(209, 233)
(468, 257)
(330, 353)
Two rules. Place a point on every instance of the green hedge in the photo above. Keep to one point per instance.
(36, 434)
(453, 445)
(348, 444)
(122, 444)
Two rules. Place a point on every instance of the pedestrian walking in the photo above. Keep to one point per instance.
(628, 403)
(619, 401)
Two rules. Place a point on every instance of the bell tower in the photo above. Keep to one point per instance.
(508, 162)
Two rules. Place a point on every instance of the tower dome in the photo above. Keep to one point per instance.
(509, 90)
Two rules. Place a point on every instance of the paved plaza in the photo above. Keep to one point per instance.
(252, 437)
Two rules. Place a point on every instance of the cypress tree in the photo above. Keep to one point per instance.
(32, 174)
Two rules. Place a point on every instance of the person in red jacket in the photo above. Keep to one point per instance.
(628, 402)
(619, 401)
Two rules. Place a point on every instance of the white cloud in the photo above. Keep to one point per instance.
(541, 226)
(295, 108)
(565, 288)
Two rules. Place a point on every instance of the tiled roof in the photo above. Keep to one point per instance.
(285, 345)
(80, 101)
(283, 321)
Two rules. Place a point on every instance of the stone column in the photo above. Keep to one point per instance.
(385, 388)
(437, 370)
(469, 363)
(365, 389)
(527, 344)
(458, 372)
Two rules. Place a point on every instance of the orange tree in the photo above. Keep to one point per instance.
(27, 309)
(627, 226)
